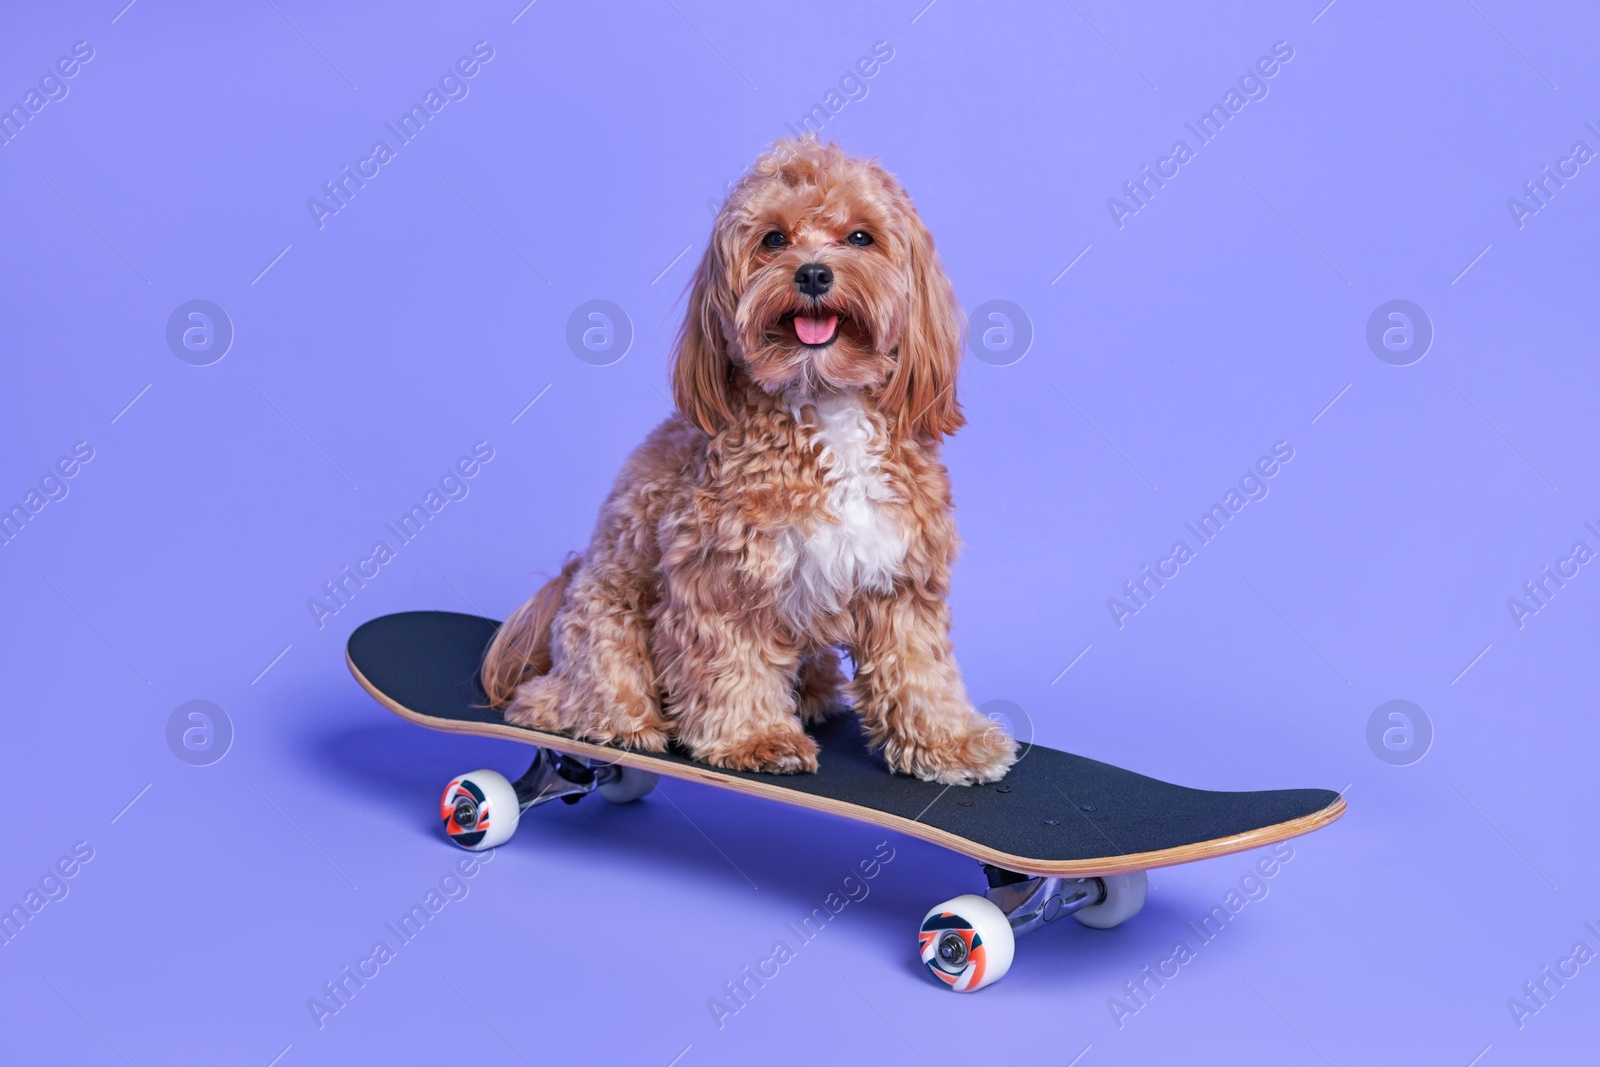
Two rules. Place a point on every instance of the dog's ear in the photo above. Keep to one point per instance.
(701, 371)
(921, 393)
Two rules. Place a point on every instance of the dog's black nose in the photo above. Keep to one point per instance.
(813, 279)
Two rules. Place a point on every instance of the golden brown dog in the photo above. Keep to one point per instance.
(794, 506)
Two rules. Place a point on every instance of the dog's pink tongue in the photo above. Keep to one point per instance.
(814, 331)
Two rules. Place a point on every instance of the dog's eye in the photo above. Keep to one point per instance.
(860, 238)
(775, 239)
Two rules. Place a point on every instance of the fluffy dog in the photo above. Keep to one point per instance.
(794, 506)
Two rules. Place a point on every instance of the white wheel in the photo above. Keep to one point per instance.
(629, 785)
(479, 810)
(967, 943)
(1125, 894)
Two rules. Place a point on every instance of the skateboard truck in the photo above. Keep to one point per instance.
(554, 775)
(969, 942)
(480, 810)
(1029, 902)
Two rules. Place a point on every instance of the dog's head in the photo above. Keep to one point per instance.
(820, 276)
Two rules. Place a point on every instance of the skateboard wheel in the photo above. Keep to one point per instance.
(479, 810)
(967, 943)
(1125, 895)
(629, 785)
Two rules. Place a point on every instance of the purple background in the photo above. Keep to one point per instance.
(1224, 316)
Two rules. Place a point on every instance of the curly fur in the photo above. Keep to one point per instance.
(795, 505)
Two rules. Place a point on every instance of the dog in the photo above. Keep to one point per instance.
(795, 505)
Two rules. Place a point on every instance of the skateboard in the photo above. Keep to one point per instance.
(1059, 835)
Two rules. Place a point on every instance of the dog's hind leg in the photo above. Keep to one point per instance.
(601, 686)
(536, 704)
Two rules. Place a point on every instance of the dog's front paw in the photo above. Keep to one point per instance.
(777, 749)
(980, 752)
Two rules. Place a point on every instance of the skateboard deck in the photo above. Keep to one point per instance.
(1054, 815)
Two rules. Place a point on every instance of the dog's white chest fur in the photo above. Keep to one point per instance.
(864, 547)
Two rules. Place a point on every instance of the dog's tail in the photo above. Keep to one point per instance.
(521, 647)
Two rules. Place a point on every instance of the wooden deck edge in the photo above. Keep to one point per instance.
(1138, 861)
